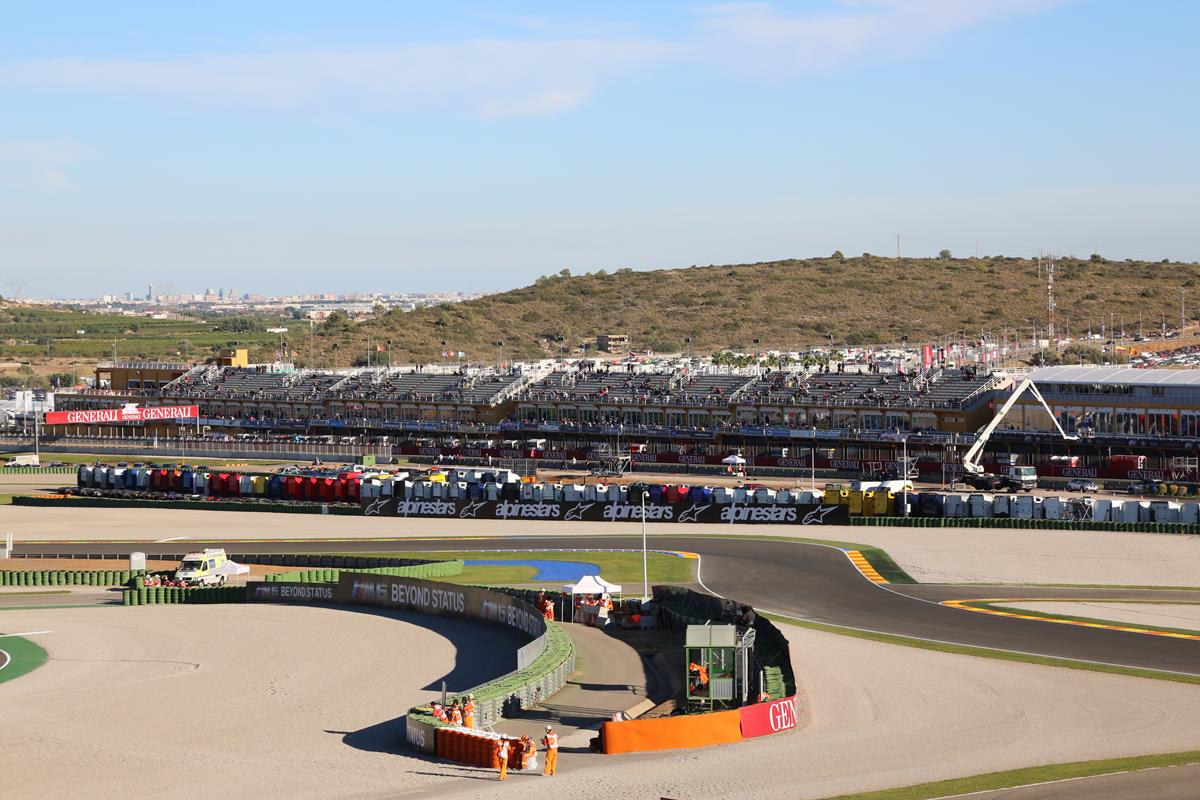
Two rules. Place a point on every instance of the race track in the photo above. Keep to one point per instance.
(810, 582)
(806, 581)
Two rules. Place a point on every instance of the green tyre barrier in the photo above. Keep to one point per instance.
(127, 597)
(141, 595)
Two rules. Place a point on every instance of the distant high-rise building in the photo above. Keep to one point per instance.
(149, 291)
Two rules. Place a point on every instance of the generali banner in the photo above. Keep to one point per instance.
(130, 412)
(808, 514)
(764, 719)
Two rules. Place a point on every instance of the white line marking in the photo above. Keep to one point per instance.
(699, 580)
(938, 641)
(1061, 780)
(30, 633)
(7, 659)
(985, 647)
(172, 539)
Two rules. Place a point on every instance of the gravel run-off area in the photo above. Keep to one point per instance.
(272, 701)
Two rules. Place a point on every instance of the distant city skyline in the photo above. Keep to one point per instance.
(374, 146)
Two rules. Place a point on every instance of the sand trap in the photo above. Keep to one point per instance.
(1163, 615)
(931, 555)
(286, 684)
(250, 701)
(879, 716)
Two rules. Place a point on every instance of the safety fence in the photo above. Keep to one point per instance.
(1028, 524)
(119, 500)
(37, 471)
(60, 577)
(679, 607)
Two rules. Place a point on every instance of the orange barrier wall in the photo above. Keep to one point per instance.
(672, 733)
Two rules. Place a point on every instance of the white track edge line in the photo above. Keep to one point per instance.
(1063, 780)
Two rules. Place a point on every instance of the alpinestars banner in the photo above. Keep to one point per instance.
(595, 511)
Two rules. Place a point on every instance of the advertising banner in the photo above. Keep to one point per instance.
(447, 600)
(420, 734)
(764, 719)
(926, 356)
(130, 412)
(290, 592)
(597, 511)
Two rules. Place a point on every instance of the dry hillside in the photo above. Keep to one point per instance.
(784, 304)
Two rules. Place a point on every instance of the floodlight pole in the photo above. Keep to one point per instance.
(645, 568)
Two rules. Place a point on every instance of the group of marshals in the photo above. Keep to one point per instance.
(549, 741)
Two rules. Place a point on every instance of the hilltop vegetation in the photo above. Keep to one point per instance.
(785, 305)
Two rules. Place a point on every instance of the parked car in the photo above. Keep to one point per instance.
(1082, 485)
(1145, 487)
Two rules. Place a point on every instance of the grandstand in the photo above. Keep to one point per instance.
(662, 396)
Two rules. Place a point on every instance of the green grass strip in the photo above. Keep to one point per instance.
(888, 569)
(1026, 776)
(985, 652)
(19, 656)
(1046, 615)
(623, 567)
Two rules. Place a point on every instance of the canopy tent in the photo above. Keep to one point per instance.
(592, 584)
(735, 459)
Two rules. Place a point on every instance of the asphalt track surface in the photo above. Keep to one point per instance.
(818, 583)
(810, 582)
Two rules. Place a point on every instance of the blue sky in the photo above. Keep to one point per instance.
(363, 146)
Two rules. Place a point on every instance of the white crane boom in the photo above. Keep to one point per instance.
(971, 459)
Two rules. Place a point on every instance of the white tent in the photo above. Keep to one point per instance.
(592, 584)
(735, 460)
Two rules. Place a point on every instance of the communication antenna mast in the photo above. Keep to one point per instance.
(1050, 328)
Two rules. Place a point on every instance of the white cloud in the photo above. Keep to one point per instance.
(490, 77)
(519, 77)
(37, 164)
(757, 38)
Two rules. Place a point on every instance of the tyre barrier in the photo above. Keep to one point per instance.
(159, 595)
(505, 696)
(59, 577)
(480, 748)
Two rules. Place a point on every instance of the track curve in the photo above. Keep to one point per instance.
(809, 581)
